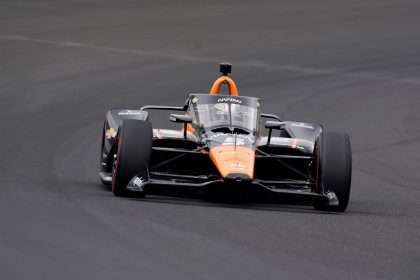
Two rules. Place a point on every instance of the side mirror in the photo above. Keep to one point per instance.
(186, 105)
(274, 125)
(185, 119)
(180, 118)
(270, 125)
(270, 116)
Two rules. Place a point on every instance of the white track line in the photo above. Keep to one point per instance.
(262, 65)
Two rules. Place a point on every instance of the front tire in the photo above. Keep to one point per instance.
(334, 168)
(105, 166)
(134, 148)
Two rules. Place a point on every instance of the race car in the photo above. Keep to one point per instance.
(222, 143)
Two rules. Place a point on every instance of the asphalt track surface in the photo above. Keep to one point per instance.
(353, 66)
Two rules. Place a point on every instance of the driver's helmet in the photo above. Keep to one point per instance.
(221, 111)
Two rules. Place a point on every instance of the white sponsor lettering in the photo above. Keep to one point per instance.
(304, 125)
(229, 99)
(237, 166)
(238, 136)
(138, 182)
(231, 141)
(129, 112)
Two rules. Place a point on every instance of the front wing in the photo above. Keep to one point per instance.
(159, 183)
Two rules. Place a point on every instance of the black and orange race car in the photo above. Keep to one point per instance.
(222, 143)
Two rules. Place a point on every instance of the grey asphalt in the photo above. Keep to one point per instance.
(353, 66)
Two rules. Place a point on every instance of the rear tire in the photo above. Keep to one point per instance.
(134, 148)
(334, 167)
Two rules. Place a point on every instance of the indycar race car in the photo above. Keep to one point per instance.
(222, 143)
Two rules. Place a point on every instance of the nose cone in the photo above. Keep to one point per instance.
(236, 163)
(237, 178)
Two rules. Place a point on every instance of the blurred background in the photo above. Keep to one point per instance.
(352, 66)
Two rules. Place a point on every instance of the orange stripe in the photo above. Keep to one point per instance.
(231, 159)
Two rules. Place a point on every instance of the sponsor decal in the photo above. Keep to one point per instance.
(300, 147)
(110, 133)
(303, 125)
(229, 99)
(236, 166)
(238, 136)
(332, 198)
(156, 133)
(294, 144)
(138, 182)
(168, 133)
(230, 141)
(129, 112)
(216, 135)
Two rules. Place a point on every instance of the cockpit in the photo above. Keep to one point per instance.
(224, 111)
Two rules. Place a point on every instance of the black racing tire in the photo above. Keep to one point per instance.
(100, 160)
(334, 168)
(134, 149)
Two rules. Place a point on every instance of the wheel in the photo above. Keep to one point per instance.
(134, 148)
(334, 165)
(104, 174)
